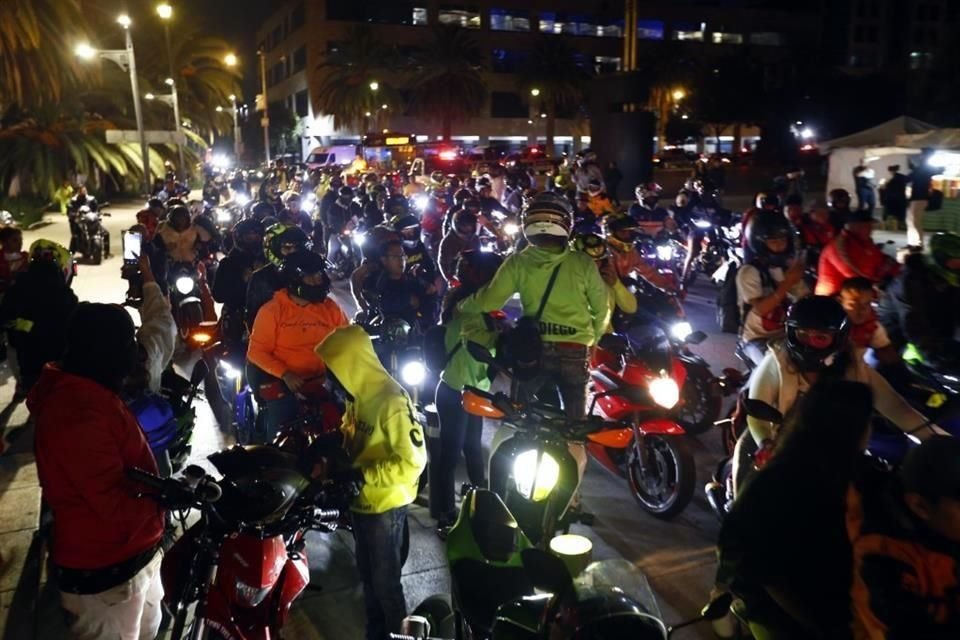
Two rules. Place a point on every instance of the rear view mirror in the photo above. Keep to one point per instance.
(479, 352)
(762, 411)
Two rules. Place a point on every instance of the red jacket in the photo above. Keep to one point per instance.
(848, 256)
(85, 439)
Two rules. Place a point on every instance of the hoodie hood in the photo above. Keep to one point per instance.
(542, 257)
(54, 384)
(348, 354)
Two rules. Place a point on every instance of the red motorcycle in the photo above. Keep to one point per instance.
(636, 383)
(244, 562)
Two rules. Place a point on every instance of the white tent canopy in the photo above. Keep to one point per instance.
(877, 148)
(945, 139)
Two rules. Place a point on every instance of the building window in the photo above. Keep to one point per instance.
(507, 61)
(612, 29)
(300, 59)
(298, 17)
(650, 29)
(606, 64)
(570, 24)
(766, 38)
(302, 104)
(467, 17)
(278, 72)
(420, 16)
(689, 31)
(276, 37)
(722, 37)
(505, 104)
(509, 20)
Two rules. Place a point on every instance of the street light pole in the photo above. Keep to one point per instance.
(236, 129)
(138, 113)
(177, 127)
(265, 121)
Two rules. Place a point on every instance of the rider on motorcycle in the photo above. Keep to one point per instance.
(463, 237)
(78, 201)
(839, 203)
(279, 241)
(767, 282)
(621, 238)
(647, 212)
(620, 298)
(393, 292)
(233, 276)
(921, 310)
(293, 213)
(419, 263)
(179, 237)
(853, 254)
(340, 215)
(286, 331)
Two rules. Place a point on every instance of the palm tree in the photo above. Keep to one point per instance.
(553, 73)
(447, 82)
(36, 57)
(347, 92)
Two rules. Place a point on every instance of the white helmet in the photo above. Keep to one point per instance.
(547, 214)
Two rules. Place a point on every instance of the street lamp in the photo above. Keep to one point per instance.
(374, 86)
(535, 92)
(126, 60)
(165, 11)
(679, 94)
(230, 60)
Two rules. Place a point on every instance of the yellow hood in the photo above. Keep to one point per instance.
(349, 355)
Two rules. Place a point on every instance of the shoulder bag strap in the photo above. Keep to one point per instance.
(546, 293)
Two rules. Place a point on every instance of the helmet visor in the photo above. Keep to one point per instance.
(818, 339)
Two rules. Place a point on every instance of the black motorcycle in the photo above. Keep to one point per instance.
(185, 297)
(90, 237)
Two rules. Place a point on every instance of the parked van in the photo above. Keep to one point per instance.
(331, 157)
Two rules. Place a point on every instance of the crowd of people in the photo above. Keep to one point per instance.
(819, 542)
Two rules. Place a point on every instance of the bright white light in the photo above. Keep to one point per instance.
(413, 373)
(165, 11)
(702, 224)
(664, 252)
(420, 201)
(535, 481)
(230, 60)
(664, 391)
(85, 51)
(149, 96)
(511, 228)
(309, 200)
(229, 371)
(242, 199)
(223, 215)
(184, 284)
(944, 159)
(360, 238)
(168, 82)
(806, 133)
(374, 85)
(220, 161)
(260, 174)
(124, 21)
(681, 330)
(486, 248)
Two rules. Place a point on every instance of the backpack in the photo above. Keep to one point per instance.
(435, 354)
(728, 308)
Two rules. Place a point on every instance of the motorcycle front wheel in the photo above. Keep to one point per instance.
(700, 402)
(96, 251)
(662, 474)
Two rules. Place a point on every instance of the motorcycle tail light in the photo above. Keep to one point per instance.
(250, 596)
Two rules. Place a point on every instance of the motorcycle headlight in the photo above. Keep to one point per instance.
(224, 215)
(511, 228)
(487, 248)
(702, 224)
(681, 330)
(242, 199)
(420, 201)
(229, 371)
(184, 284)
(413, 373)
(664, 391)
(360, 238)
(535, 474)
(664, 252)
(250, 596)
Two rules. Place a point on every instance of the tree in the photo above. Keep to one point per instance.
(552, 71)
(447, 82)
(36, 59)
(355, 86)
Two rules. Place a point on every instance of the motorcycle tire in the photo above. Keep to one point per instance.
(438, 610)
(675, 466)
(700, 402)
(96, 251)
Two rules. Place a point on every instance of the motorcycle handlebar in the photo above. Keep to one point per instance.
(172, 490)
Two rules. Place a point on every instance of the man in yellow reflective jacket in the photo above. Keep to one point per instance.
(385, 444)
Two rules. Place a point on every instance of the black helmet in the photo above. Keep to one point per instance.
(261, 209)
(622, 225)
(767, 201)
(408, 226)
(465, 217)
(838, 198)
(591, 244)
(155, 203)
(460, 196)
(767, 225)
(476, 268)
(297, 266)
(345, 193)
(396, 206)
(817, 330)
(247, 226)
(472, 204)
(279, 235)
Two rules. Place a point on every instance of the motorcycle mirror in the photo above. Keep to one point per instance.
(696, 337)
(200, 371)
(717, 607)
(547, 572)
(479, 353)
(762, 411)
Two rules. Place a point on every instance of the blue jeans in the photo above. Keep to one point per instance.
(379, 542)
(275, 413)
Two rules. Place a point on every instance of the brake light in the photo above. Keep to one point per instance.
(448, 155)
(201, 337)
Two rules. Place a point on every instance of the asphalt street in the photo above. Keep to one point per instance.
(678, 556)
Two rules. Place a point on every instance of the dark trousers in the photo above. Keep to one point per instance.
(459, 431)
(564, 370)
(379, 548)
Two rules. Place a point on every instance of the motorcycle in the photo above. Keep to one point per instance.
(168, 419)
(532, 468)
(400, 349)
(244, 561)
(347, 259)
(92, 238)
(185, 297)
(505, 588)
(636, 382)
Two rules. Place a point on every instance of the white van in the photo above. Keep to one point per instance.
(331, 157)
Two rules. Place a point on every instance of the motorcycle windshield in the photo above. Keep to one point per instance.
(618, 575)
(260, 483)
(652, 344)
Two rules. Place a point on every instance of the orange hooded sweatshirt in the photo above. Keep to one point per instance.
(285, 335)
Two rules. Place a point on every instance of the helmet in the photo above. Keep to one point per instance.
(591, 244)
(622, 224)
(767, 201)
(396, 206)
(476, 268)
(437, 177)
(838, 198)
(945, 247)
(484, 182)
(297, 266)
(766, 225)
(50, 251)
(408, 226)
(464, 217)
(345, 193)
(155, 203)
(262, 209)
(247, 226)
(547, 215)
(472, 204)
(460, 196)
(648, 190)
(289, 197)
(817, 330)
(278, 235)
